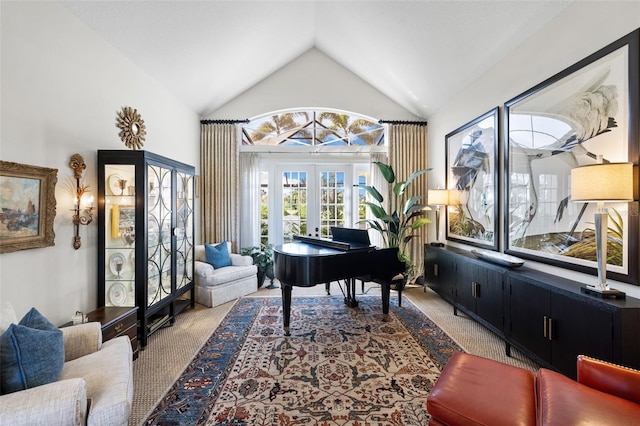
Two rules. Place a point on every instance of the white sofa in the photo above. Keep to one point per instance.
(215, 286)
(94, 388)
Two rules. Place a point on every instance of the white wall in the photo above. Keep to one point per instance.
(582, 29)
(312, 80)
(62, 86)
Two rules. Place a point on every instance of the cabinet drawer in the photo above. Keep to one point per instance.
(121, 327)
(118, 321)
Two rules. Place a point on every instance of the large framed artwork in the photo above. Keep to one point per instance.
(472, 180)
(27, 206)
(588, 110)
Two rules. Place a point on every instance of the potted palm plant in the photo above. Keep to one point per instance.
(396, 227)
(263, 258)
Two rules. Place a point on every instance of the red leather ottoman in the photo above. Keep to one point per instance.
(477, 391)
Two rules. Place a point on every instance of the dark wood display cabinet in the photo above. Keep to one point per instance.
(545, 316)
(146, 236)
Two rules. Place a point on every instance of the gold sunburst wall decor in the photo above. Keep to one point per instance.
(132, 128)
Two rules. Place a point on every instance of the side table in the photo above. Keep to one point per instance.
(118, 321)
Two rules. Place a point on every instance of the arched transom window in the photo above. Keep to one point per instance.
(313, 127)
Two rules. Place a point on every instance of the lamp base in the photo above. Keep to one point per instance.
(609, 293)
(437, 244)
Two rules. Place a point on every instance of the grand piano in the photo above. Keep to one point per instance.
(310, 261)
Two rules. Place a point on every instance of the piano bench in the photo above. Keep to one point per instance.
(397, 283)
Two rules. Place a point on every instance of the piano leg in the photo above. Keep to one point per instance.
(386, 295)
(286, 307)
(327, 288)
(350, 299)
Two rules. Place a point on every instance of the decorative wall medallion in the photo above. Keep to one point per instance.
(132, 128)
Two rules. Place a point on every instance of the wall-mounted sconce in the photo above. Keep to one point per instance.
(82, 203)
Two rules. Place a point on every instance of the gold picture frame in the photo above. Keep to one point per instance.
(27, 206)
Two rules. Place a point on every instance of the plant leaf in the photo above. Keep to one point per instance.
(373, 192)
(407, 182)
(376, 210)
(420, 222)
(411, 204)
(386, 171)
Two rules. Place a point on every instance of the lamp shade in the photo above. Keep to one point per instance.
(612, 182)
(457, 197)
(438, 197)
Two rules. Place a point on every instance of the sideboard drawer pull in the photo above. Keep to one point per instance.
(118, 328)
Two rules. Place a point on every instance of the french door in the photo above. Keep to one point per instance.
(310, 199)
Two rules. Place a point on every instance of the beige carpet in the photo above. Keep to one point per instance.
(171, 349)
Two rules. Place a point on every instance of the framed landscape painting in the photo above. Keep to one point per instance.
(472, 181)
(27, 206)
(588, 110)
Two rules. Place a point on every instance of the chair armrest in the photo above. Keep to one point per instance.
(610, 378)
(62, 403)
(203, 269)
(240, 259)
(81, 339)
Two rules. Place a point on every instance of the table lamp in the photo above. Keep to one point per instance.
(602, 183)
(438, 198)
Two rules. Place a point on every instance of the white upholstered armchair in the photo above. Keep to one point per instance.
(94, 388)
(215, 286)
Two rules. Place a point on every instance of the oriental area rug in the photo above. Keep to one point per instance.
(340, 366)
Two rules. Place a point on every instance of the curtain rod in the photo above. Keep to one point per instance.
(417, 123)
(246, 120)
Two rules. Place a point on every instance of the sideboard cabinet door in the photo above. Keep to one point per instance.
(440, 272)
(557, 327)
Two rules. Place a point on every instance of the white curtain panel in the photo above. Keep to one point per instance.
(249, 200)
(220, 183)
(407, 154)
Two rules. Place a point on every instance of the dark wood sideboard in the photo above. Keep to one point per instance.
(549, 318)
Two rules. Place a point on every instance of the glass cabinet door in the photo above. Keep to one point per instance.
(184, 230)
(119, 235)
(159, 234)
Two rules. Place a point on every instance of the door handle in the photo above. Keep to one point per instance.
(547, 328)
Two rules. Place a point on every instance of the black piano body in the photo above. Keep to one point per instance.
(312, 261)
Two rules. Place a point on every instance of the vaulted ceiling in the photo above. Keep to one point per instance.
(418, 53)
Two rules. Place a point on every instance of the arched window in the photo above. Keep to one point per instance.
(309, 163)
(313, 127)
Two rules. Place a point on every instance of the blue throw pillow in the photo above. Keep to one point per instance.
(217, 255)
(31, 353)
